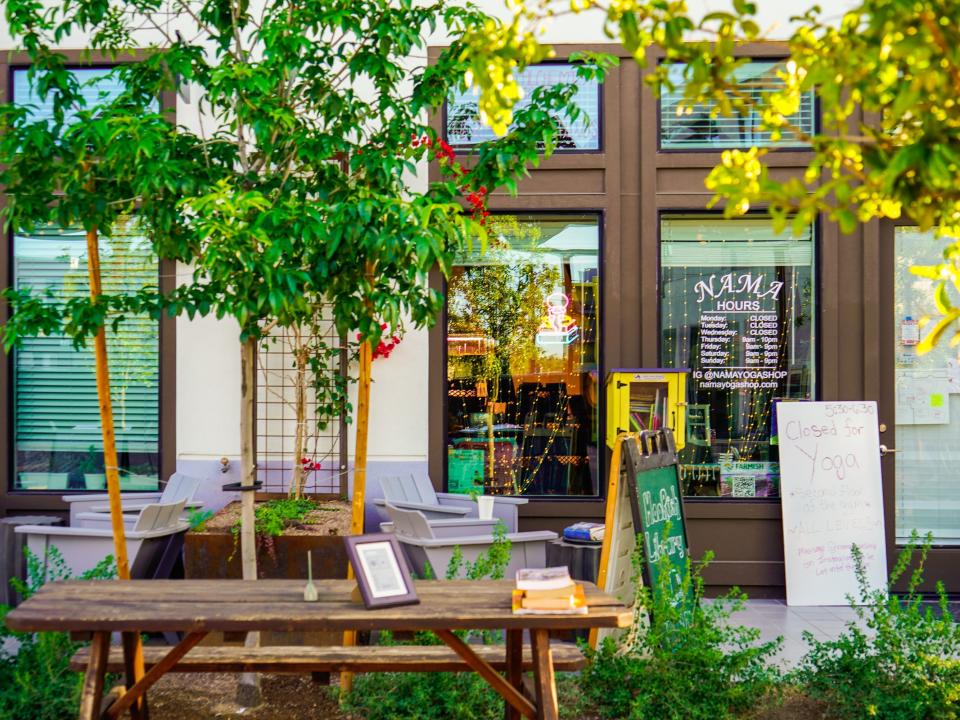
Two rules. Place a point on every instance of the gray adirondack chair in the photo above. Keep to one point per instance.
(83, 547)
(94, 510)
(431, 542)
(417, 493)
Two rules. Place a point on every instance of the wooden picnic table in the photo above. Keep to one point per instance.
(197, 607)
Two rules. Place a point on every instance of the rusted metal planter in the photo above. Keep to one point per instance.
(214, 554)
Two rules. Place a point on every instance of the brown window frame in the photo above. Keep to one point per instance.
(21, 501)
(601, 369)
(798, 147)
(558, 151)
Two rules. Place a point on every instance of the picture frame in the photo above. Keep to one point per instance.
(381, 569)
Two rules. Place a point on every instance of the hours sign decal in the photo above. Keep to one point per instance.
(740, 346)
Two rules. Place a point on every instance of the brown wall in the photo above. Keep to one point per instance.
(26, 502)
(631, 183)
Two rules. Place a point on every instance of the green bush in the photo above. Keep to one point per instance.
(36, 682)
(901, 662)
(436, 696)
(682, 661)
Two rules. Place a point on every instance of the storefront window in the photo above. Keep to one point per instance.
(698, 128)
(56, 415)
(464, 127)
(523, 359)
(927, 400)
(737, 305)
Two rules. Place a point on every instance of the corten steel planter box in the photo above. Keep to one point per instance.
(214, 554)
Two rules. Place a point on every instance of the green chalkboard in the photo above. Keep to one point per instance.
(657, 504)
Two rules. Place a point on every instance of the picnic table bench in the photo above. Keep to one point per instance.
(95, 609)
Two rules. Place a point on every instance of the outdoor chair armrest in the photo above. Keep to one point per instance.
(104, 497)
(61, 531)
(465, 540)
(134, 507)
(429, 510)
(454, 528)
(459, 498)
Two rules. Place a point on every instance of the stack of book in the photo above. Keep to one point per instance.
(584, 532)
(548, 591)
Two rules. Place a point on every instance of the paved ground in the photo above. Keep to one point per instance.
(774, 618)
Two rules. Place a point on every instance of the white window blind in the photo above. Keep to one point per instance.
(55, 392)
(464, 128)
(56, 419)
(696, 128)
(712, 241)
(96, 85)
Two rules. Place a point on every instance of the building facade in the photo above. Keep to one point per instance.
(608, 257)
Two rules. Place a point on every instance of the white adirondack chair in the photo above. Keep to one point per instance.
(430, 542)
(83, 547)
(417, 493)
(94, 510)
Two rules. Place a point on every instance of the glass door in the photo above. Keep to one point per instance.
(926, 402)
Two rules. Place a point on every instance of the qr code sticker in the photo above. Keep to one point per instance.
(744, 486)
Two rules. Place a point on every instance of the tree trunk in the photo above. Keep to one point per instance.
(249, 690)
(111, 466)
(359, 476)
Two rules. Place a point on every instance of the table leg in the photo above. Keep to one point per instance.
(133, 668)
(153, 674)
(94, 677)
(514, 659)
(488, 673)
(547, 706)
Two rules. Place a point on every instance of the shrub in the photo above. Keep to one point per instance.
(436, 696)
(900, 662)
(36, 682)
(682, 661)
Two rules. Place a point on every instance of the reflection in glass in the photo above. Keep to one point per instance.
(697, 127)
(465, 128)
(927, 401)
(522, 359)
(737, 310)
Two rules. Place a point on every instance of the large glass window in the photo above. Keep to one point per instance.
(56, 415)
(56, 420)
(927, 401)
(737, 309)
(523, 366)
(699, 128)
(464, 127)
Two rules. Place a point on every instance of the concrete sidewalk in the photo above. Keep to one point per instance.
(774, 618)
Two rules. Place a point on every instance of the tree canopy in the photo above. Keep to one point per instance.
(290, 185)
(887, 77)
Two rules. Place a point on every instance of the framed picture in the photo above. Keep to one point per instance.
(381, 570)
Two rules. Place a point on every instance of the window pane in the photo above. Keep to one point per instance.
(697, 129)
(522, 359)
(57, 434)
(463, 116)
(927, 402)
(98, 85)
(737, 309)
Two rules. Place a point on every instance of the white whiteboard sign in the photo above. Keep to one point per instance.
(832, 498)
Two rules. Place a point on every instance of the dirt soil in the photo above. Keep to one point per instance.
(210, 696)
(332, 517)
